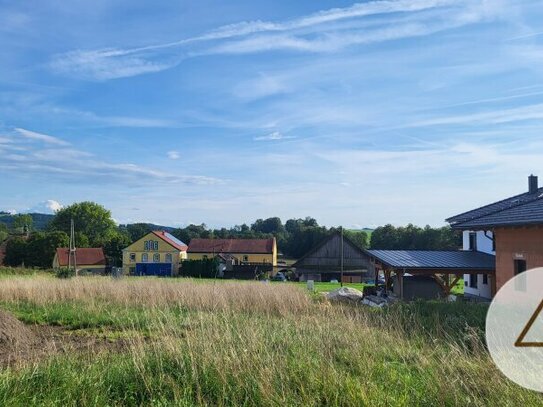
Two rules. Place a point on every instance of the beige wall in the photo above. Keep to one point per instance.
(251, 258)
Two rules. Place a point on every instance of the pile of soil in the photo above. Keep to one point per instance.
(14, 335)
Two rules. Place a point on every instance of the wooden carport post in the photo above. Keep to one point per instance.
(447, 285)
(399, 275)
(387, 278)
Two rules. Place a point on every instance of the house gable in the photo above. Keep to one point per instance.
(327, 254)
(163, 244)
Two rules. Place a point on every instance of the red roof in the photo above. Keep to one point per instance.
(261, 246)
(168, 238)
(84, 256)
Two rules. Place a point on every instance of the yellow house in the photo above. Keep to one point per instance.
(244, 250)
(91, 260)
(155, 254)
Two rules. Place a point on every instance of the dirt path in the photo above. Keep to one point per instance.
(21, 344)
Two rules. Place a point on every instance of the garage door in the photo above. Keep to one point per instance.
(154, 269)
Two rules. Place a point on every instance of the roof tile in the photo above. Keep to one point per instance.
(84, 256)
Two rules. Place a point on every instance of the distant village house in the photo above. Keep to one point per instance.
(325, 262)
(88, 260)
(241, 251)
(157, 253)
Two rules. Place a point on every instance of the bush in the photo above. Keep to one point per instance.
(16, 271)
(205, 268)
(65, 273)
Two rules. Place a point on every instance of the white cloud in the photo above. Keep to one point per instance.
(49, 207)
(523, 113)
(173, 155)
(41, 137)
(273, 136)
(324, 31)
(78, 165)
(105, 64)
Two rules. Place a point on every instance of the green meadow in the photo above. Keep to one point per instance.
(185, 343)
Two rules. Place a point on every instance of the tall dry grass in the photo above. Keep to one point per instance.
(250, 296)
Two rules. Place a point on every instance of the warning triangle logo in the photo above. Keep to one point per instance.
(520, 343)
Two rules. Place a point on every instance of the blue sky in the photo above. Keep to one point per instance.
(357, 114)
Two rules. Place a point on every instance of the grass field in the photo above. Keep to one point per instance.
(181, 342)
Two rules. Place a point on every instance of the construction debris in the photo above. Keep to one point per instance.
(345, 294)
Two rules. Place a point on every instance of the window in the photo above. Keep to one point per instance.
(168, 258)
(485, 279)
(132, 257)
(246, 258)
(144, 257)
(520, 268)
(156, 257)
(473, 280)
(150, 245)
(473, 241)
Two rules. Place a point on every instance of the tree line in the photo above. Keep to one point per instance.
(95, 227)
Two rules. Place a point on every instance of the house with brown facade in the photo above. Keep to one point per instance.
(512, 229)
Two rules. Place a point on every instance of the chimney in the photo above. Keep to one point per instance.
(532, 184)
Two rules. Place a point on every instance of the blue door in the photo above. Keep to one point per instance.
(154, 269)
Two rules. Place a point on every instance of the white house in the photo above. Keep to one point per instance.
(478, 285)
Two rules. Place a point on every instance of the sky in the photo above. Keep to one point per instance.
(357, 114)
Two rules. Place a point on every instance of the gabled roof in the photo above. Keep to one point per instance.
(84, 256)
(255, 246)
(530, 213)
(170, 239)
(226, 257)
(323, 242)
(434, 259)
(504, 206)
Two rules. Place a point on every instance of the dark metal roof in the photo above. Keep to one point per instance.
(429, 259)
(530, 213)
(495, 207)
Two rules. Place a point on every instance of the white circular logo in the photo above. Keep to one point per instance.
(514, 329)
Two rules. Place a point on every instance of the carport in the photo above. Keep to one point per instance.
(445, 266)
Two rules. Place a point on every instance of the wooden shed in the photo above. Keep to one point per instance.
(325, 262)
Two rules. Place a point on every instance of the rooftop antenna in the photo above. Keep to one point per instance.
(72, 259)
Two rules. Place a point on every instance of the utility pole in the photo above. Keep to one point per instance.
(72, 258)
(341, 257)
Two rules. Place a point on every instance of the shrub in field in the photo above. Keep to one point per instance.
(65, 273)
